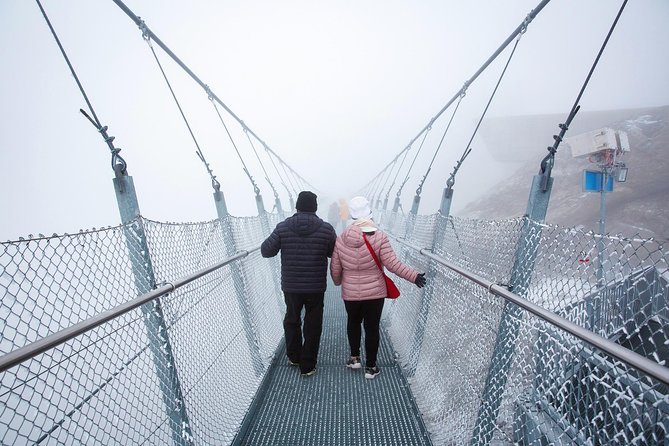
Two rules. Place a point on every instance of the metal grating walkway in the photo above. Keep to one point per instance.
(336, 406)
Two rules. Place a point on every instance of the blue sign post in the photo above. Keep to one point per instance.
(602, 182)
(593, 181)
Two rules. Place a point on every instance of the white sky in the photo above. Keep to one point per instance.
(337, 89)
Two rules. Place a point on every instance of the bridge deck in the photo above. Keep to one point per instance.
(336, 406)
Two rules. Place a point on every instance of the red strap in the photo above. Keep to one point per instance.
(376, 259)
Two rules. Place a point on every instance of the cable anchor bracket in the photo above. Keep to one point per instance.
(146, 33)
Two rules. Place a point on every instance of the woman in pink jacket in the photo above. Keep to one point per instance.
(363, 285)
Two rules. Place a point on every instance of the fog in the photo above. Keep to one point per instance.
(336, 89)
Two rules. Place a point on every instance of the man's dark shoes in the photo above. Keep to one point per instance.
(309, 372)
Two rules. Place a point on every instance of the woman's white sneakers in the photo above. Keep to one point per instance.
(371, 372)
(354, 362)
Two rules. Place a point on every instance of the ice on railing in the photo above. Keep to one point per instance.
(552, 387)
(556, 389)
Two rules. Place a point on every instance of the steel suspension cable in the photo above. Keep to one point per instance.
(283, 167)
(374, 186)
(118, 164)
(390, 174)
(419, 190)
(262, 166)
(383, 184)
(297, 175)
(468, 149)
(297, 178)
(282, 162)
(367, 187)
(406, 152)
(406, 178)
(377, 185)
(214, 182)
(528, 19)
(549, 160)
(256, 189)
(403, 151)
(140, 23)
(279, 175)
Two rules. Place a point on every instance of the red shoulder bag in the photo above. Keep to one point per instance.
(391, 289)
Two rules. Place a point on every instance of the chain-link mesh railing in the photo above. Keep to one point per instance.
(485, 371)
(185, 368)
(187, 378)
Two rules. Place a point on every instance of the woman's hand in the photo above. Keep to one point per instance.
(420, 280)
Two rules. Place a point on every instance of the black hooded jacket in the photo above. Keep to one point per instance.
(305, 242)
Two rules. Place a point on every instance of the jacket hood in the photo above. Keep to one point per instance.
(352, 236)
(304, 223)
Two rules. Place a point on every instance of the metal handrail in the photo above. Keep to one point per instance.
(33, 349)
(635, 360)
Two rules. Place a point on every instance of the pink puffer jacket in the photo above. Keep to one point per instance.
(353, 267)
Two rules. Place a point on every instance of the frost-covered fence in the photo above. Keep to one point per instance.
(553, 387)
(102, 387)
(545, 387)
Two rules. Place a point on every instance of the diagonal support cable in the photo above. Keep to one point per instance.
(468, 148)
(262, 166)
(214, 182)
(419, 190)
(118, 164)
(406, 177)
(392, 184)
(521, 28)
(256, 189)
(549, 160)
(145, 29)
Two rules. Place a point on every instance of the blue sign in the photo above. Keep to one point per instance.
(592, 181)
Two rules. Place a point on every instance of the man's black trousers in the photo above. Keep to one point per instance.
(302, 343)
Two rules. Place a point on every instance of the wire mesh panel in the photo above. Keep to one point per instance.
(107, 386)
(50, 283)
(486, 371)
(482, 370)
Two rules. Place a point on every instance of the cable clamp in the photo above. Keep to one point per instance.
(215, 184)
(525, 24)
(146, 34)
(210, 95)
(463, 91)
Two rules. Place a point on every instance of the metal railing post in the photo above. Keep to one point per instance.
(277, 203)
(426, 296)
(264, 223)
(411, 218)
(507, 333)
(154, 321)
(396, 204)
(446, 200)
(239, 283)
(393, 215)
(415, 204)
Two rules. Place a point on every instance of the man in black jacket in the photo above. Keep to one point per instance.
(305, 242)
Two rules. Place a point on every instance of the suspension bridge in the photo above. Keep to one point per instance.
(152, 332)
